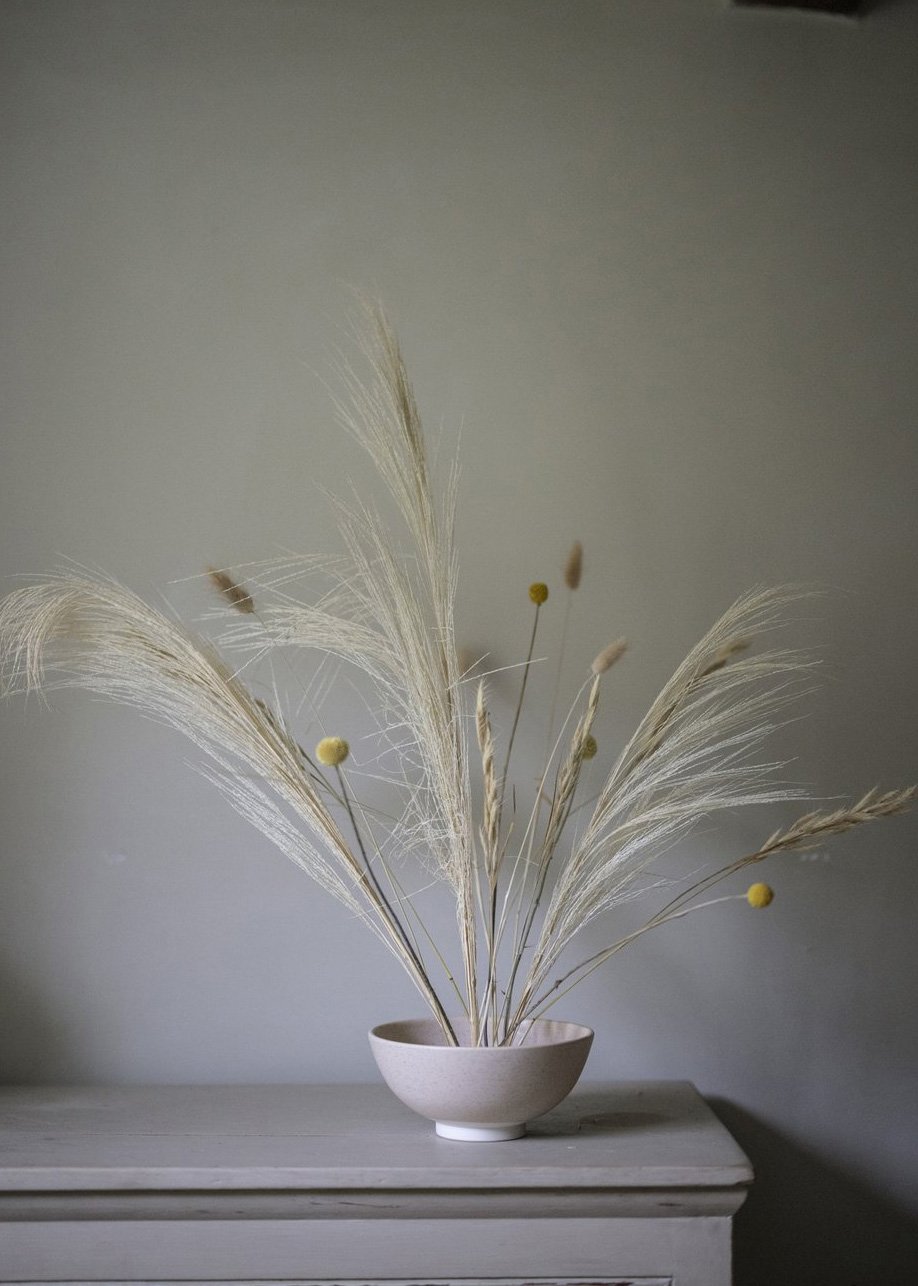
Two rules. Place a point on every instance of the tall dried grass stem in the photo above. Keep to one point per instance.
(522, 695)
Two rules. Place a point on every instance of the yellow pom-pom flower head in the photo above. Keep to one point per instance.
(538, 592)
(332, 751)
(759, 895)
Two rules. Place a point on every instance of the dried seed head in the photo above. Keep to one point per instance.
(538, 592)
(573, 568)
(332, 751)
(236, 595)
(609, 655)
(726, 653)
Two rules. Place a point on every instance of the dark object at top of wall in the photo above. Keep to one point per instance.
(818, 6)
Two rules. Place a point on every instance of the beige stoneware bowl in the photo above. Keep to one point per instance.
(480, 1095)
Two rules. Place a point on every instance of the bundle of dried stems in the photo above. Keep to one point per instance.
(523, 888)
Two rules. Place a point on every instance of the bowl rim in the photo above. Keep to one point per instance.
(580, 1032)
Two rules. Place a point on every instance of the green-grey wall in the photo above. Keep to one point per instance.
(658, 259)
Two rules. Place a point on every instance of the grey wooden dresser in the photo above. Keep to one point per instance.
(625, 1183)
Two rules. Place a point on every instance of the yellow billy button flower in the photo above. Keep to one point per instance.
(538, 592)
(332, 751)
(590, 747)
(759, 895)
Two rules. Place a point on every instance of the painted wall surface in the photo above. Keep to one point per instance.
(658, 261)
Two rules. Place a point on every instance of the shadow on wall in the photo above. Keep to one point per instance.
(41, 1045)
(806, 1223)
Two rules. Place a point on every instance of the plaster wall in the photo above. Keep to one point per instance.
(658, 260)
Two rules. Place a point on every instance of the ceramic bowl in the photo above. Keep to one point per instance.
(480, 1095)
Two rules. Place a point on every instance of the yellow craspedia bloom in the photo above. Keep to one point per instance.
(538, 592)
(332, 751)
(759, 895)
(590, 747)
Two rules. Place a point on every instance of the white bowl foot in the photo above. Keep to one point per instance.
(480, 1133)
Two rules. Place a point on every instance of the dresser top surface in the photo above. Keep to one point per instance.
(319, 1137)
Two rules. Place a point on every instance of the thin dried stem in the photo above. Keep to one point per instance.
(559, 811)
(391, 913)
(519, 703)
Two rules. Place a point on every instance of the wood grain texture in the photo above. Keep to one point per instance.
(624, 1135)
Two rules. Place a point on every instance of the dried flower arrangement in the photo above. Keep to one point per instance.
(524, 886)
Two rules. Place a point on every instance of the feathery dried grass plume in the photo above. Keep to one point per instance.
(806, 832)
(525, 879)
